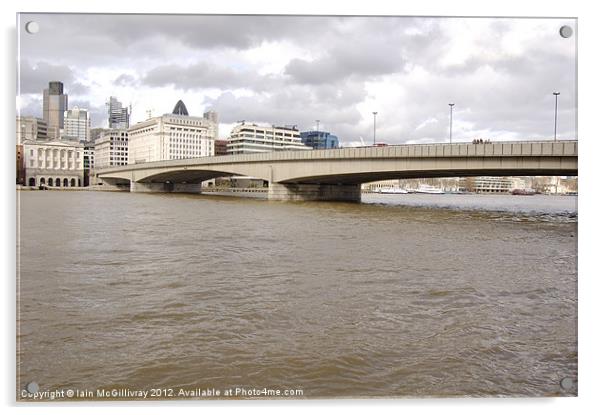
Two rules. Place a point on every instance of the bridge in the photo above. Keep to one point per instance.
(337, 174)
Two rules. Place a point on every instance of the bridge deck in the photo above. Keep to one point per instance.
(496, 149)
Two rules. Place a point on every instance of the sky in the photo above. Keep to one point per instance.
(500, 73)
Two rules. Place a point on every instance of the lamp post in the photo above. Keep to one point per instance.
(451, 113)
(317, 125)
(555, 113)
(374, 113)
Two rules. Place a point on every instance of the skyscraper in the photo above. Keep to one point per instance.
(213, 117)
(77, 124)
(119, 116)
(54, 107)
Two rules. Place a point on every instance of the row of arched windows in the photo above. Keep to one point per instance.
(55, 182)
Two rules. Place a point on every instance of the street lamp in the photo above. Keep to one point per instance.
(451, 113)
(317, 125)
(555, 113)
(374, 113)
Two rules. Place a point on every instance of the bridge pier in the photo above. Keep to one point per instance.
(109, 185)
(141, 187)
(308, 192)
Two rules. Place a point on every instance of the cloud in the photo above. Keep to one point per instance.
(35, 77)
(204, 75)
(98, 36)
(126, 80)
(500, 72)
(335, 105)
(30, 106)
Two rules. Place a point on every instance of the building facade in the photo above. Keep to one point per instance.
(53, 163)
(95, 133)
(214, 118)
(111, 149)
(253, 138)
(319, 140)
(55, 103)
(487, 184)
(221, 147)
(171, 136)
(31, 128)
(76, 124)
(119, 116)
(88, 161)
(20, 163)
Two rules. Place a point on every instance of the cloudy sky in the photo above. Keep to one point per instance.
(500, 73)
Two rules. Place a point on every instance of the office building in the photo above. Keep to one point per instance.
(119, 116)
(95, 133)
(252, 138)
(487, 184)
(53, 163)
(213, 117)
(54, 107)
(76, 124)
(111, 149)
(89, 150)
(319, 140)
(221, 147)
(171, 136)
(31, 128)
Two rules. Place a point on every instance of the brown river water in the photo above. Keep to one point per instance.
(398, 296)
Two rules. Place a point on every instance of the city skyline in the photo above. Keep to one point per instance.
(278, 70)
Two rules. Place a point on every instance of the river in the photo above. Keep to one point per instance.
(397, 296)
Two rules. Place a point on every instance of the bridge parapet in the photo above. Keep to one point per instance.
(495, 149)
(352, 166)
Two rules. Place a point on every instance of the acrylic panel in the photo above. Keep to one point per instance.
(295, 207)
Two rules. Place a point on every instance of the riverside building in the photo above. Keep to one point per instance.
(53, 163)
(171, 136)
(253, 138)
(487, 184)
(88, 161)
(111, 148)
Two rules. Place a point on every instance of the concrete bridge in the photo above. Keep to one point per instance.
(338, 173)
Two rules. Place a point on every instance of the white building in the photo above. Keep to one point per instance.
(53, 163)
(488, 184)
(253, 138)
(381, 184)
(171, 136)
(77, 124)
(111, 149)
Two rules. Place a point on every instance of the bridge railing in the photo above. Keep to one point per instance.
(492, 149)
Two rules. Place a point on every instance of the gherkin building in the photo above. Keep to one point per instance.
(180, 109)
